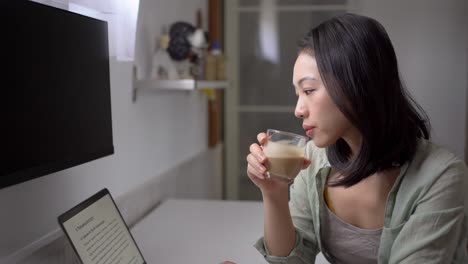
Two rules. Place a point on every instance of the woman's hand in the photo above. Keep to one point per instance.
(257, 171)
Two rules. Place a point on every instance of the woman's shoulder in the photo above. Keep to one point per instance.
(430, 156)
(432, 163)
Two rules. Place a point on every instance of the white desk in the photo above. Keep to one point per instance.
(202, 232)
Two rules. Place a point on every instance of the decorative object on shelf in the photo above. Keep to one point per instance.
(199, 41)
(187, 45)
(163, 66)
(179, 46)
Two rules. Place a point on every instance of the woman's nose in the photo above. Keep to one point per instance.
(300, 111)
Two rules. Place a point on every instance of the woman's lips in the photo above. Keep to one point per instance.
(309, 130)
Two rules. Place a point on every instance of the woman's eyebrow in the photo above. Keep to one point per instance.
(307, 78)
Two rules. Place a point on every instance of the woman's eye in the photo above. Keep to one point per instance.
(308, 91)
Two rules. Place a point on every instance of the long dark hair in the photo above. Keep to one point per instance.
(358, 66)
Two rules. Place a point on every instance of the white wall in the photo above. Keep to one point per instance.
(430, 40)
(151, 136)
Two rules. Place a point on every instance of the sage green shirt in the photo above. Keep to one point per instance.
(425, 215)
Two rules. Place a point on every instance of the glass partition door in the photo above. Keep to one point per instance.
(261, 47)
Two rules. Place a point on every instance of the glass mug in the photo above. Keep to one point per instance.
(285, 153)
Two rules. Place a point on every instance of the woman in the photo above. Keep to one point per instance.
(374, 189)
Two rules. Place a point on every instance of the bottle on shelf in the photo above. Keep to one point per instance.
(214, 63)
(220, 71)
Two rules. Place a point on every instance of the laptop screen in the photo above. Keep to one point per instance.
(98, 233)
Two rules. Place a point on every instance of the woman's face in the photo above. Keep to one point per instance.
(322, 120)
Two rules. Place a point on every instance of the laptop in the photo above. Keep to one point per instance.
(98, 233)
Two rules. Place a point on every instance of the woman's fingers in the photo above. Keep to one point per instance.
(255, 178)
(255, 168)
(257, 152)
(262, 138)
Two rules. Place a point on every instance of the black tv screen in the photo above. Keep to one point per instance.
(56, 105)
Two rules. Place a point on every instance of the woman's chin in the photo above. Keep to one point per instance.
(317, 143)
(320, 143)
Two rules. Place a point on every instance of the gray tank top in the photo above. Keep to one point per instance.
(347, 243)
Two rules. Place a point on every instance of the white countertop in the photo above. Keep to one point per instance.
(202, 232)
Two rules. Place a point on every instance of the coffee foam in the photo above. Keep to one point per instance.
(282, 150)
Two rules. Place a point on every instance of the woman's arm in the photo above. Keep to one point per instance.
(283, 242)
(280, 235)
(279, 231)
